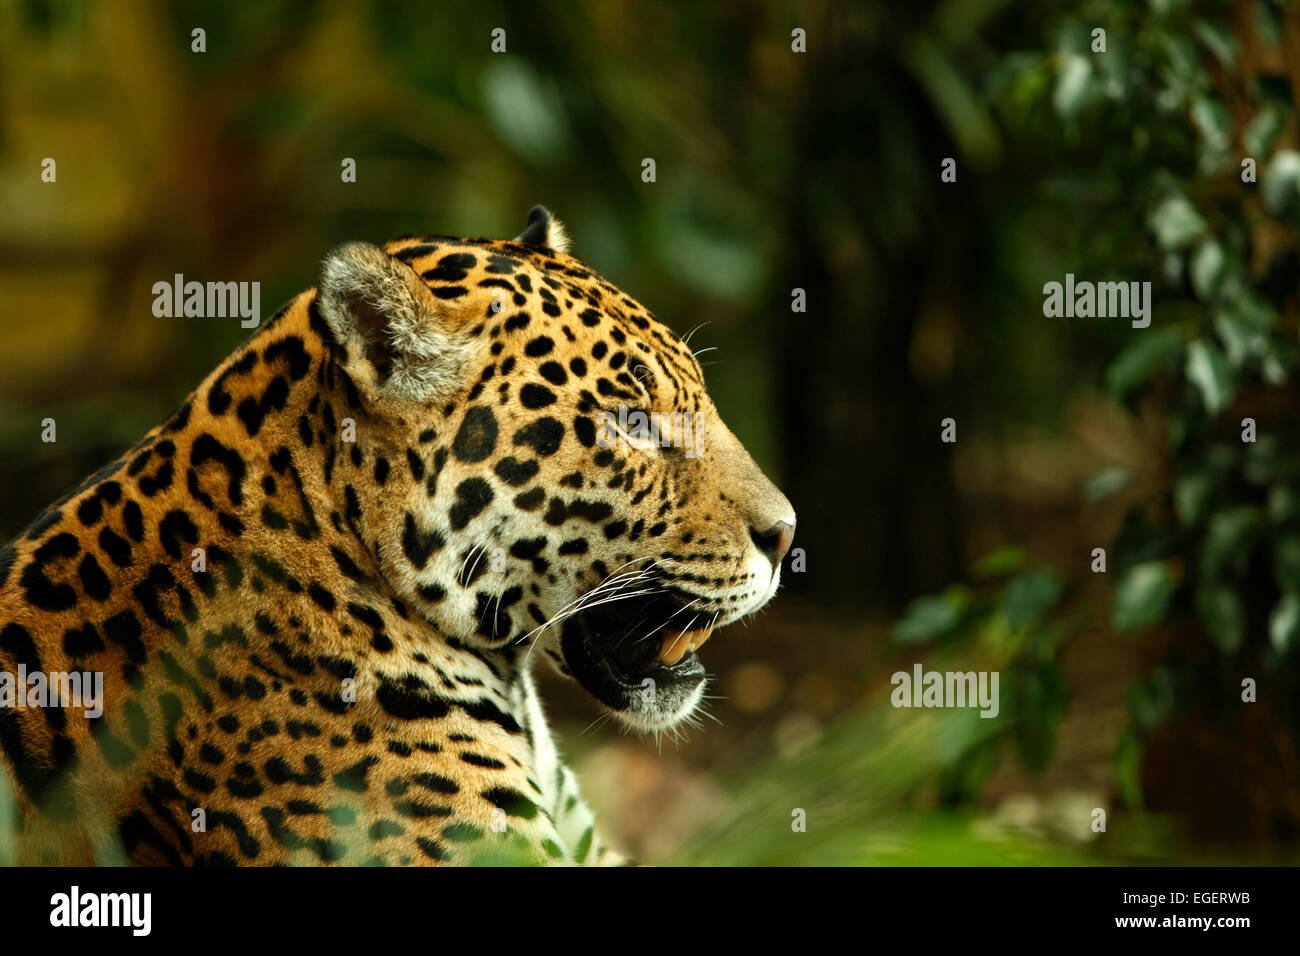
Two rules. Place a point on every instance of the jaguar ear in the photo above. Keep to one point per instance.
(543, 229)
(399, 339)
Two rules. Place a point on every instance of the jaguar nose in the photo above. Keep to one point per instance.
(775, 541)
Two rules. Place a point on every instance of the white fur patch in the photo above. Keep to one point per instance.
(557, 237)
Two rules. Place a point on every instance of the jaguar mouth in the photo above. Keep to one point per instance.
(638, 658)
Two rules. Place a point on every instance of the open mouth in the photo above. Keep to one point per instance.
(638, 656)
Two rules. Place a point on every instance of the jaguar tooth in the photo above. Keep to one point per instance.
(705, 634)
(677, 644)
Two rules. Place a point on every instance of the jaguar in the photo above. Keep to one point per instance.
(316, 592)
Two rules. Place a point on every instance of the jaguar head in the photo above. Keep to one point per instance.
(562, 484)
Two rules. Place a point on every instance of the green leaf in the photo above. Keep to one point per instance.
(1241, 341)
(1143, 595)
(1279, 183)
(1243, 323)
(1214, 123)
(1208, 266)
(525, 109)
(1223, 615)
(1192, 497)
(1151, 700)
(1030, 596)
(1252, 311)
(1141, 360)
(1229, 538)
(1176, 223)
(1182, 67)
(1219, 41)
(1106, 483)
(1284, 623)
(1000, 562)
(956, 102)
(1210, 372)
(1279, 359)
(1073, 85)
(1262, 131)
(925, 619)
(1171, 267)
(1283, 503)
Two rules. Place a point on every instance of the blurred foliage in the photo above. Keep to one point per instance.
(8, 823)
(1213, 553)
(870, 792)
(858, 789)
(1169, 124)
(1008, 621)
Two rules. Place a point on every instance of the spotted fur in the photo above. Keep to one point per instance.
(315, 591)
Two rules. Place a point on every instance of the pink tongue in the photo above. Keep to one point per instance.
(677, 644)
